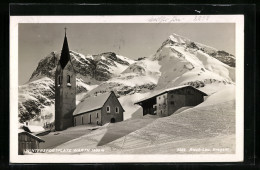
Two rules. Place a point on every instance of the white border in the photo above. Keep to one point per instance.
(238, 156)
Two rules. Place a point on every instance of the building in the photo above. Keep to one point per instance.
(98, 110)
(166, 102)
(35, 130)
(65, 89)
(28, 141)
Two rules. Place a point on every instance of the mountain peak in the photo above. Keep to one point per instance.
(177, 38)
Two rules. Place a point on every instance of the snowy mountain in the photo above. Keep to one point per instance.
(179, 61)
(95, 68)
(185, 62)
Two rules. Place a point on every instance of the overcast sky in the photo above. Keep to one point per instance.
(131, 40)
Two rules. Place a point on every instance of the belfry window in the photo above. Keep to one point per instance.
(68, 78)
(68, 81)
(59, 80)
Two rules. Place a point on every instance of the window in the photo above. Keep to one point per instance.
(159, 98)
(108, 109)
(75, 122)
(172, 96)
(90, 119)
(82, 120)
(117, 109)
(97, 115)
(172, 102)
(68, 78)
(59, 80)
(97, 122)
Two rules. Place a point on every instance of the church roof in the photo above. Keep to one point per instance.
(159, 92)
(65, 53)
(91, 103)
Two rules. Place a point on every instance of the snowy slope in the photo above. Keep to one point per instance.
(183, 64)
(37, 99)
(209, 125)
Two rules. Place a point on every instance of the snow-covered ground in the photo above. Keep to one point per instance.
(202, 129)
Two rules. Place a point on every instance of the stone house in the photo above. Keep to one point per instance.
(166, 102)
(98, 110)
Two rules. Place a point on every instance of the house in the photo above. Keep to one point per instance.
(98, 110)
(166, 102)
(28, 141)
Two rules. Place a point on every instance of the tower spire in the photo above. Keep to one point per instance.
(65, 30)
(65, 54)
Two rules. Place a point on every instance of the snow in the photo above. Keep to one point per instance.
(173, 38)
(103, 58)
(34, 128)
(130, 61)
(118, 69)
(81, 83)
(229, 92)
(134, 80)
(159, 92)
(207, 48)
(91, 103)
(76, 58)
(208, 125)
(216, 66)
(79, 97)
(106, 134)
(179, 67)
(128, 101)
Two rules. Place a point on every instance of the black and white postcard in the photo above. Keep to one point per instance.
(87, 89)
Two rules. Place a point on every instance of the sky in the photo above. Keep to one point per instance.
(131, 40)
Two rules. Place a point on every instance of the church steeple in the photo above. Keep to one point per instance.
(65, 53)
(65, 89)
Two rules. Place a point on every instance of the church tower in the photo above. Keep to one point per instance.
(65, 89)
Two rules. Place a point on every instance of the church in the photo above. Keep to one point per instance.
(96, 110)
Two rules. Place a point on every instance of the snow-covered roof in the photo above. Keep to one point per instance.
(21, 131)
(159, 92)
(91, 103)
(34, 129)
